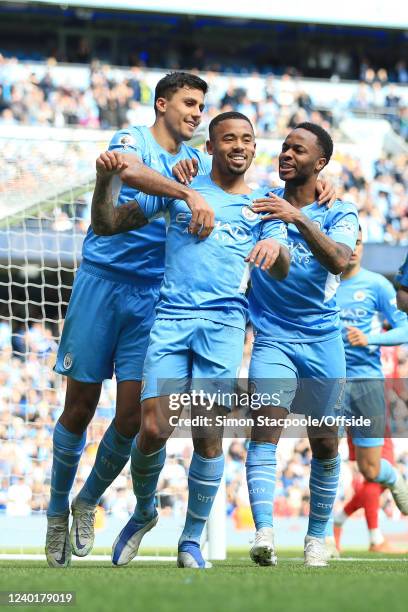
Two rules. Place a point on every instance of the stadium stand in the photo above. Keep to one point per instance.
(53, 96)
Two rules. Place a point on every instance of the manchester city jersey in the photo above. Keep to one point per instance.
(208, 278)
(365, 301)
(139, 253)
(302, 308)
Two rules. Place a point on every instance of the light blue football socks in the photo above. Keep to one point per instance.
(145, 475)
(112, 456)
(387, 474)
(261, 480)
(324, 479)
(67, 451)
(204, 479)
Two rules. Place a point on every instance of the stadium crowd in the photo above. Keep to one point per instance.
(31, 400)
(110, 97)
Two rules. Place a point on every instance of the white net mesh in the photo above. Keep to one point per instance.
(44, 214)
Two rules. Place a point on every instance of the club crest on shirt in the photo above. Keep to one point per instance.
(67, 363)
(249, 214)
(126, 141)
(318, 224)
(359, 295)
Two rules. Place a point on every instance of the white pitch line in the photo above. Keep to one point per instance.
(370, 560)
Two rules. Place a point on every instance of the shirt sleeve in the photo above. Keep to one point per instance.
(344, 225)
(402, 275)
(128, 141)
(274, 229)
(387, 306)
(153, 207)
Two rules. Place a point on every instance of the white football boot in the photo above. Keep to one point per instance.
(263, 550)
(57, 544)
(399, 491)
(316, 554)
(82, 534)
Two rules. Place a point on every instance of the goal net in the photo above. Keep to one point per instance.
(44, 214)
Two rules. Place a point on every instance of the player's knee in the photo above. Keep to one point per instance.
(81, 401)
(151, 429)
(128, 424)
(369, 470)
(207, 448)
(324, 448)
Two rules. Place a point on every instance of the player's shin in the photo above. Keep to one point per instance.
(261, 480)
(112, 456)
(145, 471)
(204, 479)
(324, 478)
(67, 451)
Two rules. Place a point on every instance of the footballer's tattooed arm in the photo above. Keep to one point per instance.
(136, 174)
(107, 219)
(334, 256)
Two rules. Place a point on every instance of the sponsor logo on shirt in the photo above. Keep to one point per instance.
(300, 253)
(346, 227)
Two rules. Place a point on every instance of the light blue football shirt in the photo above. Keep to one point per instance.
(208, 278)
(402, 275)
(139, 253)
(302, 308)
(365, 301)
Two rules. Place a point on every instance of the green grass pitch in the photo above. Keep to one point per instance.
(366, 584)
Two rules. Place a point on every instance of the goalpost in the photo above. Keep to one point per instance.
(44, 213)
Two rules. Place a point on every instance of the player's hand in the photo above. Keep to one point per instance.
(110, 163)
(356, 337)
(264, 254)
(203, 217)
(185, 170)
(276, 208)
(326, 192)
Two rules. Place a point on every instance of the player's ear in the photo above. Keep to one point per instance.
(161, 105)
(209, 147)
(320, 164)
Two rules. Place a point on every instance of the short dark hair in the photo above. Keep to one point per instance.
(225, 117)
(172, 82)
(323, 138)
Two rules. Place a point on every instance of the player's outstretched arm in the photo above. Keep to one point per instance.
(107, 219)
(271, 256)
(334, 256)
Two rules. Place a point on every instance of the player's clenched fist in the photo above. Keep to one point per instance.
(185, 170)
(264, 254)
(109, 163)
(276, 208)
(202, 218)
